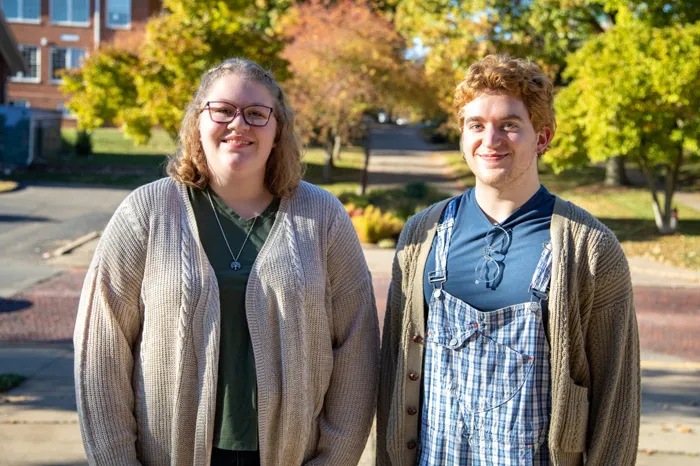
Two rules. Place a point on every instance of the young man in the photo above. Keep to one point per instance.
(510, 335)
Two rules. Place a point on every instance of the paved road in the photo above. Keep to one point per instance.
(37, 219)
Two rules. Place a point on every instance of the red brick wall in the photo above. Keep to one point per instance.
(46, 94)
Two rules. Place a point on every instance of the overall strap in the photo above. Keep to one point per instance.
(442, 244)
(543, 273)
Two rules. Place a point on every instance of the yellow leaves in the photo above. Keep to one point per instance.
(372, 225)
(629, 86)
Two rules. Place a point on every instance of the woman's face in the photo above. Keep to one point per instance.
(236, 150)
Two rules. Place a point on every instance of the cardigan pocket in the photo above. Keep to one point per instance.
(573, 434)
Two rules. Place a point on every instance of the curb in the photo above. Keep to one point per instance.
(66, 248)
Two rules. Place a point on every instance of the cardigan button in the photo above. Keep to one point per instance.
(411, 444)
(413, 376)
(412, 411)
(417, 339)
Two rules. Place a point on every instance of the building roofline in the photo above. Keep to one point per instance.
(8, 48)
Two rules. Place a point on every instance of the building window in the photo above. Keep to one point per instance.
(70, 12)
(119, 14)
(64, 58)
(22, 10)
(31, 55)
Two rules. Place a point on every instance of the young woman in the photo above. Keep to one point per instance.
(228, 314)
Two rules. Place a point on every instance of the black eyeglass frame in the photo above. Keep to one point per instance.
(238, 110)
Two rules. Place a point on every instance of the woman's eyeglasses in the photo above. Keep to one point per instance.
(224, 112)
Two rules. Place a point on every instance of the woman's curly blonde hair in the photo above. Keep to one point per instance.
(284, 169)
(502, 74)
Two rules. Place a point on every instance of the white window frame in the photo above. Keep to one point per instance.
(53, 80)
(20, 6)
(117, 26)
(27, 79)
(70, 22)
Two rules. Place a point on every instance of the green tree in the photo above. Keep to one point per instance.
(459, 32)
(345, 59)
(104, 91)
(634, 92)
(151, 87)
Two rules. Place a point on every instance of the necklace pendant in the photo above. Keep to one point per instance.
(235, 265)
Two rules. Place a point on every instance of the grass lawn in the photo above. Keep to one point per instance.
(626, 211)
(117, 161)
(347, 172)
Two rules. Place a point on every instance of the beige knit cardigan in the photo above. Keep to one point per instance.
(147, 336)
(592, 331)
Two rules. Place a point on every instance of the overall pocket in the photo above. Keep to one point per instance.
(482, 373)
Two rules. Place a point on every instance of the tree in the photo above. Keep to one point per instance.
(104, 91)
(633, 93)
(345, 59)
(459, 32)
(151, 87)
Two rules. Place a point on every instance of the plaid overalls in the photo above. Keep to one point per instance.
(486, 385)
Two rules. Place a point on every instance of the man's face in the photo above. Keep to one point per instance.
(499, 142)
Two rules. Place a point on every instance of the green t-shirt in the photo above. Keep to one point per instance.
(236, 421)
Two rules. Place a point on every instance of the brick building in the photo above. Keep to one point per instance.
(54, 35)
(11, 61)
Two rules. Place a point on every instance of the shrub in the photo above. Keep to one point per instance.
(402, 203)
(373, 225)
(416, 190)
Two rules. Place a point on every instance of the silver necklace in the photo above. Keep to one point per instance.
(235, 265)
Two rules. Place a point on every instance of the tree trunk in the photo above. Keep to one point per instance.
(329, 165)
(337, 145)
(666, 219)
(670, 215)
(615, 174)
(365, 169)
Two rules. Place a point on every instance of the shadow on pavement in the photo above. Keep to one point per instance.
(49, 384)
(665, 391)
(13, 305)
(632, 229)
(23, 218)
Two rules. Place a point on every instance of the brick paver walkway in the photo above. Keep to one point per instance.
(668, 318)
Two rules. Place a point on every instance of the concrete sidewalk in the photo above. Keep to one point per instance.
(39, 425)
(38, 421)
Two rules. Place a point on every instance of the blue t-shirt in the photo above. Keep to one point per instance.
(516, 253)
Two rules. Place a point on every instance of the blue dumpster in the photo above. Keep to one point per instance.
(28, 135)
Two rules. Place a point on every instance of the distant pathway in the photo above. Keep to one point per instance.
(400, 155)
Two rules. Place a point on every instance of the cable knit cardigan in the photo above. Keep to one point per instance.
(147, 336)
(595, 374)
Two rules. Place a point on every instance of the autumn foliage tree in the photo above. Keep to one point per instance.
(151, 86)
(345, 58)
